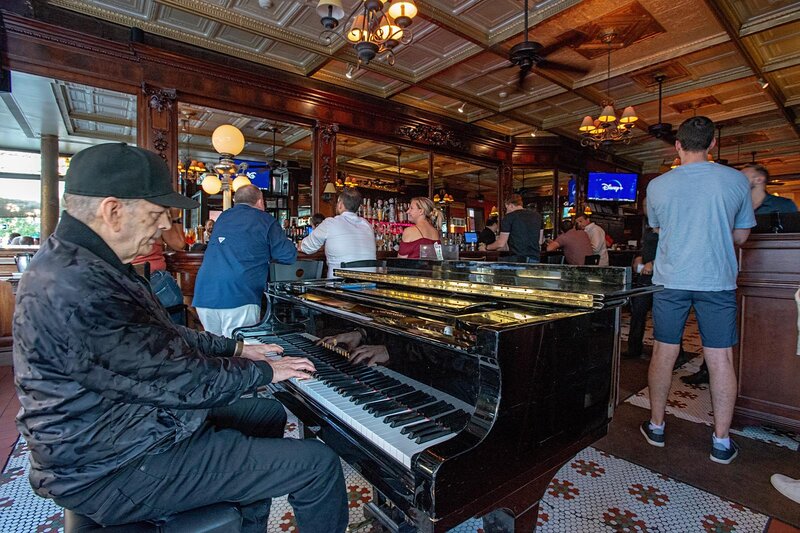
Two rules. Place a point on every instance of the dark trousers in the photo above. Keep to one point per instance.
(248, 465)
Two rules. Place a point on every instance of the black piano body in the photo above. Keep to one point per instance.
(525, 355)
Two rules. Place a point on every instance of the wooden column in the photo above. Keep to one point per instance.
(49, 186)
(157, 125)
(505, 185)
(324, 170)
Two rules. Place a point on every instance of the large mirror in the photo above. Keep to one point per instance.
(388, 177)
(276, 158)
(467, 193)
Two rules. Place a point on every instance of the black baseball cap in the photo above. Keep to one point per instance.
(125, 172)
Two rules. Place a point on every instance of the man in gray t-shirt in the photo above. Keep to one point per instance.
(701, 210)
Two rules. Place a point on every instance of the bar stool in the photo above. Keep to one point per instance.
(217, 518)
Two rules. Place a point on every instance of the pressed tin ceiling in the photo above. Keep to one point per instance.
(713, 52)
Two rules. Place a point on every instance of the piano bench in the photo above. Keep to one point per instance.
(217, 518)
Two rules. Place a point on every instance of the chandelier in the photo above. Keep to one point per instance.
(189, 169)
(374, 27)
(442, 197)
(606, 129)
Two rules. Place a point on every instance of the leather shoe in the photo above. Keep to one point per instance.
(698, 378)
(682, 359)
(787, 486)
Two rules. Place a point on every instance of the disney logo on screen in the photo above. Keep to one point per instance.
(615, 186)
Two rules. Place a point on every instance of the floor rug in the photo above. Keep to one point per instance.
(593, 492)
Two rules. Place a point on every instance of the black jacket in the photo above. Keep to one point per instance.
(102, 373)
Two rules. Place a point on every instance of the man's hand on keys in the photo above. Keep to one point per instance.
(260, 352)
(291, 367)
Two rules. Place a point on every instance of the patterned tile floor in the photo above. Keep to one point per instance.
(593, 492)
(693, 402)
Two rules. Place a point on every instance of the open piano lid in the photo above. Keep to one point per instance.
(588, 287)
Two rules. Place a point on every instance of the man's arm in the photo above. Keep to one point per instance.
(552, 246)
(131, 357)
(317, 239)
(499, 243)
(281, 249)
(597, 239)
(174, 237)
(740, 236)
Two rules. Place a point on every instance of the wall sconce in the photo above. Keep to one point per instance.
(228, 141)
(329, 192)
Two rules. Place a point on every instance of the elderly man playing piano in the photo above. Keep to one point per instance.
(129, 417)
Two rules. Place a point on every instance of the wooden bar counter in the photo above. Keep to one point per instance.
(765, 359)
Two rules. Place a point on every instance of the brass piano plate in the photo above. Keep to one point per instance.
(526, 294)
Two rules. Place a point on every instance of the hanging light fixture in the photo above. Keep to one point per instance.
(374, 27)
(442, 197)
(228, 141)
(189, 169)
(606, 129)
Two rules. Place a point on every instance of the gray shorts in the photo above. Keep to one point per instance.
(715, 312)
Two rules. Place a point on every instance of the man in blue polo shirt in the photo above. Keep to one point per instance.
(232, 278)
(701, 211)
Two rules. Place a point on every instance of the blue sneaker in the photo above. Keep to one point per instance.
(724, 456)
(654, 437)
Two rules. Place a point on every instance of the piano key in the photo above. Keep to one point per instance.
(417, 427)
(431, 436)
(391, 389)
(403, 419)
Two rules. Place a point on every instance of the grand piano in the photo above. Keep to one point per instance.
(485, 378)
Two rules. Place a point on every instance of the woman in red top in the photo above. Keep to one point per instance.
(427, 221)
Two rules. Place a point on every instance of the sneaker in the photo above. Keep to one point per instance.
(787, 486)
(724, 456)
(654, 438)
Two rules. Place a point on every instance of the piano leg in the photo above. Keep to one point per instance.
(515, 513)
(503, 521)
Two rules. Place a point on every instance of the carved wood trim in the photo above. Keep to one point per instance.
(433, 135)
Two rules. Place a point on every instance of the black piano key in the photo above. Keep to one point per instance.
(378, 405)
(367, 398)
(403, 419)
(380, 411)
(424, 400)
(435, 409)
(398, 390)
(433, 435)
(455, 420)
(417, 427)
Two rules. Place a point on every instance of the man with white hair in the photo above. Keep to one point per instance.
(128, 416)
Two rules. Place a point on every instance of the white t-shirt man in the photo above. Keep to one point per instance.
(597, 236)
(346, 237)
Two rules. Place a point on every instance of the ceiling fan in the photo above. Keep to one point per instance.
(661, 130)
(528, 55)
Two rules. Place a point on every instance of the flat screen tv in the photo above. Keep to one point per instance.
(611, 187)
(259, 173)
(571, 193)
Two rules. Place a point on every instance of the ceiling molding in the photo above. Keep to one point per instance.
(779, 17)
(730, 27)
